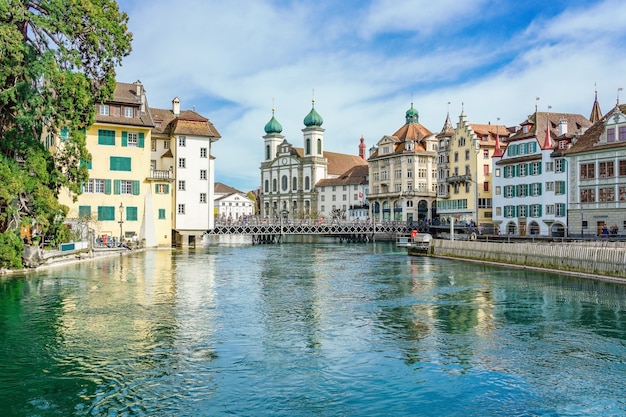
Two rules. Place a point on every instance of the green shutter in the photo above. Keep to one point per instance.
(131, 213)
(539, 206)
(116, 186)
(141, 140)
(167, 188)
(564, 165)
(161, 214)
(84, 212)
(156, 188)
(539, 188)
(107, 186)
(124, 138)
(136, 187)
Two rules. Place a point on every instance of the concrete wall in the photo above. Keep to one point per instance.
(602, 258)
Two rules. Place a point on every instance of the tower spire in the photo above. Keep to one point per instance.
(497, 152)
(547, 143)
(596, 113)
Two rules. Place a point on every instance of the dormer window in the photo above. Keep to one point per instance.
(526, 128)
(385, 149)
(104, 109)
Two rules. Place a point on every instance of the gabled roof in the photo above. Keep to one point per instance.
(538, 121)
(188, 122)
(220, 188)
(338, 163)
(355, 175)
(589, 140)
(127, 95)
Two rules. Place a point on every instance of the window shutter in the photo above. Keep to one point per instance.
(141, 140)
(156, 188)
(539, 187)
(107, 186)
(539, 168)
(136, 188)
(564, 165)
(539, 206)
(124, 138)
(116, 187)
(167, 188)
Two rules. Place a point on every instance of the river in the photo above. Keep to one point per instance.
(308, 330)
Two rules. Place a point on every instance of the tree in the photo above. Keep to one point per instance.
(57, 61)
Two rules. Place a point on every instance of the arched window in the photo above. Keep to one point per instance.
(307, 183)
(308, 147)
(285, 183)
(274, 185)
(319, 146)
(294, 183)
(267, 153)
(267, 186)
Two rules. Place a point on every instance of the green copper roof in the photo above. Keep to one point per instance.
(273, 127)
(313, 119)
(412, 115)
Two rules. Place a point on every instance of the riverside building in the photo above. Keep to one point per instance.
(402, 173)
(464, 171)
(530, 175)
(597, 173)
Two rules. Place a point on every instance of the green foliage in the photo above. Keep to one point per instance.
(11, 248)
(58, 60)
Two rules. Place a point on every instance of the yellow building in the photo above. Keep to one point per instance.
(123, 198)
(464, 176)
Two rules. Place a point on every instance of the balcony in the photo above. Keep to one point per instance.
(161, 175)
(459, 178)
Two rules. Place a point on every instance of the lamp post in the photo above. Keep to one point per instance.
(121, 222)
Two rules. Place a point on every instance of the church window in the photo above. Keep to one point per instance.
(267, 186)
(319, 146)
(267, 152)
(274, 185)
(285, 182)
(307, 183)
(294, 183)
(308, 146)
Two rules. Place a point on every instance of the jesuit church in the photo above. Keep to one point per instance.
(289, 174)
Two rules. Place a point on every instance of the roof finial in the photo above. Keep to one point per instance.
(313, 96)
(272, 106)
(536, 103)
(449, 106)
(618, 90)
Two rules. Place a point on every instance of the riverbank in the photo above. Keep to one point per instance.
(70, 257)
(596, 260)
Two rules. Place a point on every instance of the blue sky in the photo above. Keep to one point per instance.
(365, 61)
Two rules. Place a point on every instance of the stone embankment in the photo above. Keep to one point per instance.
(598, 258)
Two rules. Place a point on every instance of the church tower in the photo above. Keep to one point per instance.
(272, 138)
(313, 133)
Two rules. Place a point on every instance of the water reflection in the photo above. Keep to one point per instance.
(308, 330)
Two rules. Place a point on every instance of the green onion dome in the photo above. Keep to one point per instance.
(313, 119)
(273, 127)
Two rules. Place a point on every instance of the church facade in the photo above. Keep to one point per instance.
(289, 174)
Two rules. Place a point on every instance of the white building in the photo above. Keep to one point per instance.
(530, 175)
(289, 175)
(345, 197)
(231, 205)
(182, 143)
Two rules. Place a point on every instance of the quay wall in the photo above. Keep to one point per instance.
(596, 258)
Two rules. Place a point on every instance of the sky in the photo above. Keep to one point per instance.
(364, 63)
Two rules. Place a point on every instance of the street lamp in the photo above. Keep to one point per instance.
(121, 222)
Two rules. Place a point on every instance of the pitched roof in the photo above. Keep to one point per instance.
(188, 122)
(338, 163)
(355, 175)
(127, 95)
(596, 113)
(220, 188)
(589, 140)
(538, 121)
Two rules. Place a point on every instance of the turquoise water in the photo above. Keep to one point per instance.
(308, 330)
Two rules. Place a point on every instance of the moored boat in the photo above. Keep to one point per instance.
(420, 244)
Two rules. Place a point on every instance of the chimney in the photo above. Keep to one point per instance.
(176, 106)
(562, 126)
(138, 88)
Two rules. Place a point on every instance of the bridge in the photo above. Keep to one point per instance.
(273, 232)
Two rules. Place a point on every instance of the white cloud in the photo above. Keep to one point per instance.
(229, 59)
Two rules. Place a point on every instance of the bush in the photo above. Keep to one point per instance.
(11, 248)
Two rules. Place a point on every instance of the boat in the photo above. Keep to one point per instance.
(420, 244)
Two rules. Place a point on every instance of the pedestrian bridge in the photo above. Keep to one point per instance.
(273, 232)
